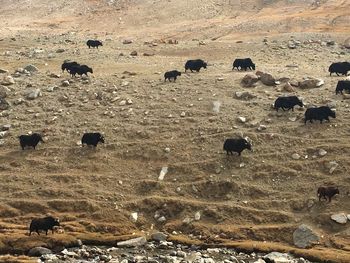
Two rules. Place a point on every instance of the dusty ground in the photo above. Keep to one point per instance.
(262, 196)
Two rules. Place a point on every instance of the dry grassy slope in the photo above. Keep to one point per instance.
(181, 19)
(264, 200)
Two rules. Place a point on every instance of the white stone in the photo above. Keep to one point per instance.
(162, 173)
(134, 217)
(242, 119)
(295, 156)
(340, 218)
(322, 152)
(135, 242)
(197, 216)
(122, 103)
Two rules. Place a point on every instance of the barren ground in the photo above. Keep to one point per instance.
(255, 201)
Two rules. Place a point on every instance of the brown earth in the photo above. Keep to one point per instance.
(255, 206)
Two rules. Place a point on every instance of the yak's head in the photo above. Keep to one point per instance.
(331, 113)
(247, 144)
(99, 43)
(300, 102)
(102, 139)
(336, 191)
(253, 66)
(205, 65)
(56, 222)
(178, 73)
(88, 69)
(37, 137)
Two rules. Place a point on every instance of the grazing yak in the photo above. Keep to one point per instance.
(92, 138)
(320, 113)
(94, 43)
(236, 145)
(287, 103)
(339, 68)
(45, 224)
(196, 65)
(342, 85)
(30, 140)
(243, 64)
(68, 65)
(80, 70)
(327, 191)
(171, 75)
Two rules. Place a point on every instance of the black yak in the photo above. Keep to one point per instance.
(196, 65)
(94, 43)
(92, 139)
(320, 113)
(80, 70)
(68, 65)
(243, 64)
(236, 145)
(327, 191)
(171, 75)
(30, 140)
(45, 224)
(339, 68)
(287, 103)
(342, 85)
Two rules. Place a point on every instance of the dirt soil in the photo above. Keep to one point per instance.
(252, 202)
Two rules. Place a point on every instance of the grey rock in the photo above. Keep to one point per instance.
(278, 257)
(135, 242)
(249, 80)
(159, 236)
(304, 237)
(33, 94)
(31, 68)
(267, 79)
(340, 218)
(7, 80)
(3, 71)
(39, 251)
(347, 43)
(311, 83)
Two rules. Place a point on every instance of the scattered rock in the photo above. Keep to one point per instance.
(135, 242)
(148, 54)
(267, 79)
(159, 236)
(162, 173)
(245, 95)
(39, 251)
(340, 218)
(249, 80)
(311, 83)
(7, 80)
(33, 94)
(4, 105)
(242, 119)
(31, 68)
(133, 53)
(133, 217)
(127, 41)
(278, 257)
(347, 43)
(65, 83)
(3, 71)
(288, 87)
(304, 237)
(197, 216)
(295, 156)
(322, 152)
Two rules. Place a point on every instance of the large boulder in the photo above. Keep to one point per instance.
(159, 236)
(39, 251)
(347, 43)
(340, 218)
(135, 242)
(7, 80)
(31, 68)
(249, 80)
(267, 79)
(311, 83)
(304, 237)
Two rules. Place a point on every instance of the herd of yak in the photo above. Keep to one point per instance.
(231, 145)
